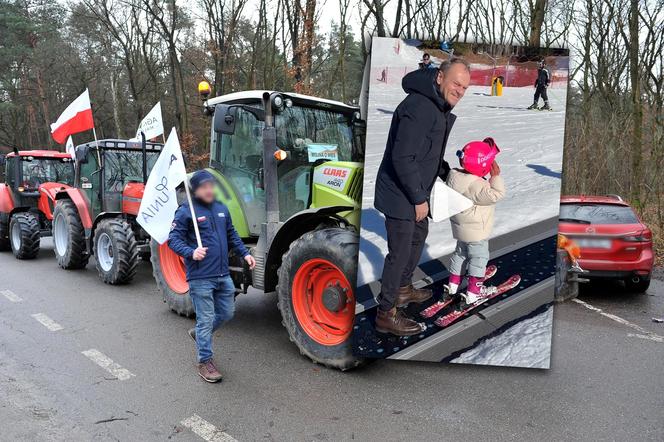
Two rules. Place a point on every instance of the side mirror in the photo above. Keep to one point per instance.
(224, 119)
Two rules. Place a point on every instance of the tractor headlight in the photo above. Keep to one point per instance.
(288, 102)
(278, 101)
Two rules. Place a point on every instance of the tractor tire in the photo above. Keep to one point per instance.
(315, 295)
(168, 271)
(5, 244)
(115, 251)
(69, 236)
(24, 235)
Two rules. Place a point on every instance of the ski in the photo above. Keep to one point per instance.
(447, 298)
(506, 286)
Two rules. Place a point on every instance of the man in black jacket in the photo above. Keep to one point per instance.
(412, 161)
(541, 84)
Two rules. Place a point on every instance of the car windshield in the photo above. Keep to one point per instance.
(36, 171)
(597, 214)
(123, 166)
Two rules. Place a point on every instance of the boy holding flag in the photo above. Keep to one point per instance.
(210, 286)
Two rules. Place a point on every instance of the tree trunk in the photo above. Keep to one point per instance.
(536, 20)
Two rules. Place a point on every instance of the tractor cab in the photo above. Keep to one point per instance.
(26, 171)
(309, 132)
(112, 173)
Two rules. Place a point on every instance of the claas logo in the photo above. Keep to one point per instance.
(330, 171)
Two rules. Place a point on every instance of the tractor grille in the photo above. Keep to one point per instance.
(355, 186)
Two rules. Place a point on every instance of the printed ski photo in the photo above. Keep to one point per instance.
(462, 179)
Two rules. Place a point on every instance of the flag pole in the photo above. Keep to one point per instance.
(191, 205)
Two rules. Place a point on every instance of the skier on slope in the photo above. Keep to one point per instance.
(472, 227)
(541, 84)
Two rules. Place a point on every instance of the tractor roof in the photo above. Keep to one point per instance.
(115, 143)
(258, 95)
(40, 154)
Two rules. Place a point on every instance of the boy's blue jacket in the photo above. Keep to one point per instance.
(217, 234)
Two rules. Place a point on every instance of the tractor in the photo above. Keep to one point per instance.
(31, 180)
(97, 216)
(288, 167)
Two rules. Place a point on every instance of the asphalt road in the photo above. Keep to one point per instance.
(606, 380)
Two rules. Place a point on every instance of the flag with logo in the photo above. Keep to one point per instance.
(152, 125)
(159, 201)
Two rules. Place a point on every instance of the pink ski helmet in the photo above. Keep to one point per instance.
(477, 157)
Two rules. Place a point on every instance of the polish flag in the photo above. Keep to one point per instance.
(76, 118)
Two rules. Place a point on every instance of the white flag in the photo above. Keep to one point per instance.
(69, 148)
(159, 201)
(446, 202)
(152, 125)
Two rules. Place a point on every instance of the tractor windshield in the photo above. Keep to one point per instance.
(37, 171)
(309, 135)
(120, 168)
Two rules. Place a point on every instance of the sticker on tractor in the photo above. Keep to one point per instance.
(320, 151)
(86, 186)
(334, 177)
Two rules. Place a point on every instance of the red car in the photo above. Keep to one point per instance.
(614, 242)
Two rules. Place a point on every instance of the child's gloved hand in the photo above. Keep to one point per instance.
(495, 169)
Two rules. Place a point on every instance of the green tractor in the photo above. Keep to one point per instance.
(98, 215)
(289, 169)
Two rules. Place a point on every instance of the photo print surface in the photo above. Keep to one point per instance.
(458, 251)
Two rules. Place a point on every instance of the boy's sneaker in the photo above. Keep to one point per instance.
(209, 372)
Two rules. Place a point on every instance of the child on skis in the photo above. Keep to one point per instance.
(472, 227)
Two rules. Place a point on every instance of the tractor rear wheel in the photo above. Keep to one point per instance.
(69, 236)
(316, 296)
(168, 270)
(24, 235)
(116, 251)
(5, 244)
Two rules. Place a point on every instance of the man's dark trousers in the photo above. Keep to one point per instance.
(405, 241)
(540, 91)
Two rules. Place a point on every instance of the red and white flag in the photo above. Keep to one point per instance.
(76, 118)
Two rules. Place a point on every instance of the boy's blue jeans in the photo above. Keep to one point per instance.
(214, 303)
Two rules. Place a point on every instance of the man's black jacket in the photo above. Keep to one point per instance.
(543, 77)
(415, 147)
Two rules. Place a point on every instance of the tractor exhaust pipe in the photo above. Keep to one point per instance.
(636, 279)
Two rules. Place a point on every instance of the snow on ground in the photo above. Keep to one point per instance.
(525, 344)
(531, 144)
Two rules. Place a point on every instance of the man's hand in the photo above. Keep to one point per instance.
(495, 169)
(251, 261)
(421, 211)
(199, 253)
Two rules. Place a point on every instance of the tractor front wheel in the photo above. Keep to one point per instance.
(169, 273)
(69, 236)
(116, 251)
(24, 235)
(316, 296)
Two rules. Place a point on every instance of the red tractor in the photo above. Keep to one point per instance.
(97, 216)
(31, 180)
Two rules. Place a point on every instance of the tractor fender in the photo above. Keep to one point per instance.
(80, 201)
(47, 194)
(294, 227)
(6, 201)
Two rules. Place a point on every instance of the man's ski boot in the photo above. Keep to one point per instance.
(532, 106)
(546, 106)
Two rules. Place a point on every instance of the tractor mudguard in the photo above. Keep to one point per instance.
(293, 228)
(80, 201)
(6, 201)
(47, 196)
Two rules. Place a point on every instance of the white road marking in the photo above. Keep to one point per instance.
(206, 430)
(47, 322)
(13, 297)
(642, 332)
(107, 364)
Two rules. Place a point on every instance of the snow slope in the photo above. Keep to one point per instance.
(525, 344)
(531, 144)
